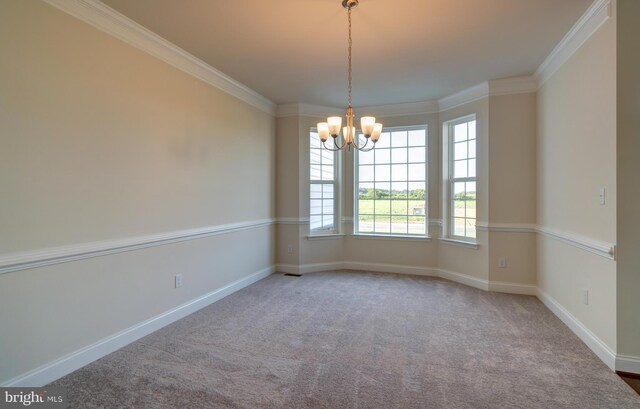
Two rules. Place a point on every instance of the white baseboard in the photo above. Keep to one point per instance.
(390, 268)
(594, 343)
(629, 364)
(471, 281)
(84, 356)
(513, 288)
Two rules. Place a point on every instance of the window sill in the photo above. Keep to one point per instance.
(460, 243)
(324, 236)
(390, 237)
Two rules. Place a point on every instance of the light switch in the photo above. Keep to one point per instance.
(601, 196)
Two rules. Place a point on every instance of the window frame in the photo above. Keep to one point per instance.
(450, 180)
(356, 159)
(337, 159)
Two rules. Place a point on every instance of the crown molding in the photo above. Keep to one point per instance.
(464, 97)
(106, 19)
(595, 16)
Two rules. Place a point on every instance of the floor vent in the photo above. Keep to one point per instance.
(293, 275)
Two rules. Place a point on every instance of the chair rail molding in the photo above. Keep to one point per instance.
(64, 254)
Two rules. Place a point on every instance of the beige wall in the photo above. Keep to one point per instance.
(576, 155)
(101, 141)
(512, 186)
(628, 161)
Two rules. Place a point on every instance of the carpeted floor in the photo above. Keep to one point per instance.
(347, 340)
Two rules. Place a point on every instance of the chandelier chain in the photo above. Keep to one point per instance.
(350, 42)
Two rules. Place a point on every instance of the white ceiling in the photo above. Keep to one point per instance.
(403, 51)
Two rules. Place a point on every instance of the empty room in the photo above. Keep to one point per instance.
(320, 204)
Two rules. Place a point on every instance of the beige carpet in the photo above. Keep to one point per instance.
(356, 340)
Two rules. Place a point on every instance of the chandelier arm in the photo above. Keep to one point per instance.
(361, 148)
(330, 149)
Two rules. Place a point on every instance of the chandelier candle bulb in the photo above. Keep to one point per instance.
(375, 134)
(323, 131)
(335, 123)
(367, 123)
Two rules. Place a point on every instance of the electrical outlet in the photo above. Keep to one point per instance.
(178, 280)
(290, 249)
(585, 296)
(502, 262)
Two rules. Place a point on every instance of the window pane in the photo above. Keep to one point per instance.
(399, 155)
(417, 225)
(459, 227)
(472, 129)
(327, 157)
(471, 188)
(399, 139)
(366, 173)
(315, 222)
(399, 190)
(383, 173)
(382, 155)
(366, 191)
(399, 224)
(366, 206)
(383, 190)
(417, 190)
(315, 207)
(459, 190)
(399, 207)
(383, 224)
(327, 191)
(399, 172)
(418, 138)
(315, 157)
(384, 141)
(417, 171)
(460, 150)
(472, 168)
(327, 222)
(315, 191)
(472, 149)
(470, 206)
(315, 172)
(314, 140)
(383, 207)
(460, 132)
(417, 154)
(471, 228)
(327, 206)
(417, 208)
(458, 208)
(365, 223)
(365, 158)
(460, 169)
(327, 172)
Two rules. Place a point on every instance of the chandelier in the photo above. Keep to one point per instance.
(370, 129)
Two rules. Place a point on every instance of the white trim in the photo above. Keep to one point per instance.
(471, 281)
(513, 288)
(292, 220)
(84, 356)
(390, 237)
(600, 248)
(347, 220)
(629, 364)
(464, 97)
(411, 108)
(435, 222)
(606, 250)
(506, 227)
(332, 236)
(309, 268)
(119, 26)
(594, 343)
(460, 243)
(595, 16)
(514, 85)
(44, 257)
